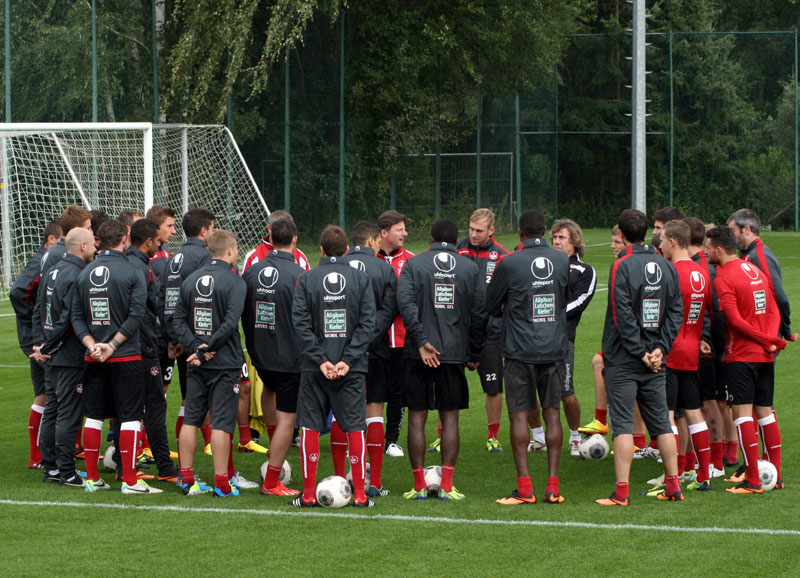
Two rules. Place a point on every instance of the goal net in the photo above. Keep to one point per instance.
(119, 166)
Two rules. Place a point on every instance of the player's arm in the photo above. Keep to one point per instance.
(673, 314)
(304, 330)
(37, 326)
(734, 320)
(233, 313)
(63, 325)
(388, 311)
(582, 292)
(248, 313)
(179, 323)
(781, 299)
(625, 318)
(477, 317)
(364, 333)
(137, 309)
(79, 324)
(407, 305)
(26, 284)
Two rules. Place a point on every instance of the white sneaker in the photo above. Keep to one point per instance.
(239, 481)
(394, 451)
(656, 481)
(647, 452)
(94, 485)
(714, 472)
(537, 446)
(140, 487)
(573, 449)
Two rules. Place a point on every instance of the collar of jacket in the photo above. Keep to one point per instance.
(75, 260)
(278, 254)
(533, 242)
(360, 250)
(111, 253)
(442, 247)
(133, 251)
(332, 261)
(194, 241)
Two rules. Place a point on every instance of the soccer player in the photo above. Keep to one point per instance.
(441, 299)
(271, 342)
(747, 300)
(393, 236)
(144, 243)
(64, 356)
(265, 247)
(567, 237)
(334, 318)
(198, 224)
(683, 381)
(485, 252)
(643, 317)
(206, 323)
(107, 311)
(600, 422)
(663, 216)
(366, 243)
(23, 296)
(529, 290)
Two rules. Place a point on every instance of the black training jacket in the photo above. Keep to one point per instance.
(267, 318)
(757, 252)
(208, 310)
(645, 307)
(384, 290)
(582, 283)
(334, 315)
(52, 256)
(441, 298)
(149, 330)
(486, 258)
(60, 340)
(111, 296)
(188, 259)
(23, 296)
(529, 290)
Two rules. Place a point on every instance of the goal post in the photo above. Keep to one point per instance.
(120, 166)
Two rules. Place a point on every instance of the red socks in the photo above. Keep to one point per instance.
(231, 469)
(681, 464)
(309, 450)
(187, 476)
(222, 482)
(355, 441)
(493, 429)
(640, 440)
(92, 434)
(338, 448)
(601, 415)
(654, 443)
(552, 486)
(34, 421)
(178, 426)
(524, 487)
(271, 431)
(749, 444)
(673, 484)
(128, 440)
(439, 431)
(716, 455)
(206, 431)
(702, 446)
(447, 478)
(419, 479)
(376, 437)
(731, 450)
(691, 460)
(771, 438)
(244, 433)
(621, 492)
(273, 477)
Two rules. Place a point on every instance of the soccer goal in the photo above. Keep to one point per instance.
(119, 166)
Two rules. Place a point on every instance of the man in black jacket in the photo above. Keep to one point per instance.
(144, 241)
(64, 356)
(441, 298)
(206, 324)
(107, 311)
(23, 296)
(644, 314)
(334, 318)
(530, 290)
(272, 344)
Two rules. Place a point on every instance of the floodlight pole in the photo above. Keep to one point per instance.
(639, 132)
(8, 60)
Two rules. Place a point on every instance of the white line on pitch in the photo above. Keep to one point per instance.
(16, 366)
(400, 518)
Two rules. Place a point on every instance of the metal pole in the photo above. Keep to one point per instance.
(287, 133)
(639, 134)
(229, 210)
(341, 127)
(517, 155)
(796, 114)
(185, 170)
(671, 126)
(155, 65)
(393, 192)
(8, 61)
(94, 61)
(148, 169)
(437, 179)
(555, 146)
(478, 173)
(6, 200)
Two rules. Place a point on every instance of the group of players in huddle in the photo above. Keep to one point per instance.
(104, 312)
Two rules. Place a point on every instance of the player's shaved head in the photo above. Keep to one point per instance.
(531, 224)
(77, 236)
(444, 231)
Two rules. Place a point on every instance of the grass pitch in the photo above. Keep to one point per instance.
(49, 528)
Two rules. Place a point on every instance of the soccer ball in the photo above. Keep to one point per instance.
(593, 447)
(768, 475)
(285, 477)
(367, 476)
(333, 492)
(108, 460)
(433, 478)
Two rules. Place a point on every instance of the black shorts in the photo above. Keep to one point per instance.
(285, 385)
(344, 396)
(568, 385)
(712, 379)
(442, 388)
(625, 387)
(524, 381)
(683, 389)
(215, 391)
(37, 373)
(491, 369)
(751, 383)
(379, 378)
(114, 390)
